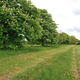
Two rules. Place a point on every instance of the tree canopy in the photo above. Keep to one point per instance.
(20, 20)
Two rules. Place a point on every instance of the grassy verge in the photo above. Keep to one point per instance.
(25, 50)
(6, 53)
(57, 68)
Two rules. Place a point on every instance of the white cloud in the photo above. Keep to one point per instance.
(64, 12)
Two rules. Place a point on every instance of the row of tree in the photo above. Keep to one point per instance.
(64, 38)
(20, 20)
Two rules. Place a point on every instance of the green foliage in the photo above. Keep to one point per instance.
(64, 38)
(73, 40)
(20, 20)
(49, 32)
(11, 30)
(16, 24)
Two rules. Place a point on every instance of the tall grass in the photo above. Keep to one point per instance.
(25, 50)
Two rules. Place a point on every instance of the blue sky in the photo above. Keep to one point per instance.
(66, 13)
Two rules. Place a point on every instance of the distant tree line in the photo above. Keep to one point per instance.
(64, 38)
(20, 21)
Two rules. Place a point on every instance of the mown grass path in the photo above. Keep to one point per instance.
(74, 65)
(13, 65)
(57, 67)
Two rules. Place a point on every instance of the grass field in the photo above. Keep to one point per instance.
(41, 63)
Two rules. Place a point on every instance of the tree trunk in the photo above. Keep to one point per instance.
(51, 42)
(42, 41)
(4, 34)
(5, 44)
(4, 41)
